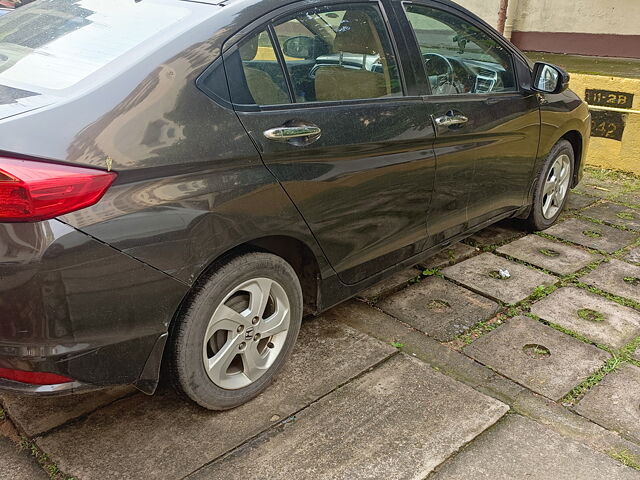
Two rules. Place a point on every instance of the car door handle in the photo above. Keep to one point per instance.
(286, 133)
(451, 120)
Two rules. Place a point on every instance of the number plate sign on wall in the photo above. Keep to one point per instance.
(604, 123)
(606, 98)
(608, 124)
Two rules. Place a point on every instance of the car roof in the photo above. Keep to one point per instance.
(210, 2)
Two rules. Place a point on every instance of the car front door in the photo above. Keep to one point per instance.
(487, 126)
(321, 93)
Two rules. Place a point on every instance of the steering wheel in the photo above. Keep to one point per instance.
(446, 82)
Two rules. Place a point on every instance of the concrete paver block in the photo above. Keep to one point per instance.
(615, 215)
(630, 198)
(556, 257)
(481, 274)
(578, 202)
(600, 320)
(519, 448)
(450, 256)
(497, 233)
(600, 188)
(167, 437)
(592, 235)
(439, 308)
(36, 415)
(633, 256)
(397, 422)
(391, 284)
(617, 277)
(615, 402)
(16, 464)
(540, 358)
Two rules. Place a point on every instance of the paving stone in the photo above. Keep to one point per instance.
(478, 274)
(519, 448)
(600, 188)
(633, 256)
(600, 320)
(378, 324)
(630, 198)
(452, 255)
(439, 308)
(615, 215)
(619, 278)
(398, 421)
(615, 402)
(498, 233)
(16, 464)
(461, 367)
(167, 437)
(599, 237)
(36, 415)
(391, 284)
(556, 257)
(516, 351)
(578, 202)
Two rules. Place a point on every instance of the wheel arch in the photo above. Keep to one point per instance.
(576, 140)
(291, 249)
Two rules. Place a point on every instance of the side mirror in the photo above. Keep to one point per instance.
(549, 78)
(299, 47)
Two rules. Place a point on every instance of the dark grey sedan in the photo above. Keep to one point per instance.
(182, 181)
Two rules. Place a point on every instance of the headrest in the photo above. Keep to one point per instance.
(357, 34)
(249, 49)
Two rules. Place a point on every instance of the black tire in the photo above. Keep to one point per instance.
(188, 372)
(537, 219)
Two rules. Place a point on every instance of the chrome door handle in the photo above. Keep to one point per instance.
(283, 134)
(451, 120)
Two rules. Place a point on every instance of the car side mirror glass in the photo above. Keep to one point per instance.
(548, 78)
(299, 47)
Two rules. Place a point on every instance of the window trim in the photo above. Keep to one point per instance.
(230, 47)
(434, 5)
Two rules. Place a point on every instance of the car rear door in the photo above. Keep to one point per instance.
(487, 125)
(322, 94)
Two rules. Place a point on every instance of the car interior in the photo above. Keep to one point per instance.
(344, 62)
(347, 55)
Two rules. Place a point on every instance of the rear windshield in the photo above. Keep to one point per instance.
(54, 44)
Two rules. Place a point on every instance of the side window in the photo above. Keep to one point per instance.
(459, 58)
(262, 71)
(339, 54)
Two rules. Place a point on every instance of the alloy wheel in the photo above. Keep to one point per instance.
(246, 333)
(556, 186)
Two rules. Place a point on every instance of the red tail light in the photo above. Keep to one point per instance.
(35, 191)
(33, 378)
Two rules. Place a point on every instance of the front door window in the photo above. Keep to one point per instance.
(459, 58)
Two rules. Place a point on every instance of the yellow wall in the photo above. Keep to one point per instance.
(603, 152)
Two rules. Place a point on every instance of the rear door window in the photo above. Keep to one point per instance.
(319, 55)
(54, 45)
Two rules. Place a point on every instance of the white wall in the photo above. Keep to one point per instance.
(620, 17)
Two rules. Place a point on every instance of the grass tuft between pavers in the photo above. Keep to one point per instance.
(43, 460)
(579, 391)
(626, 458)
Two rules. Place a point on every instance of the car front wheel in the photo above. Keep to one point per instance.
(553, 185)
(237, 331)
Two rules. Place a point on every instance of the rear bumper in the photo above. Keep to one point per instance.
(44, 390)
(73, 306)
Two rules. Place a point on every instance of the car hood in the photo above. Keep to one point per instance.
(14, 101)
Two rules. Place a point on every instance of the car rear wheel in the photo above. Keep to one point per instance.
(237, 331)
(552, 188)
